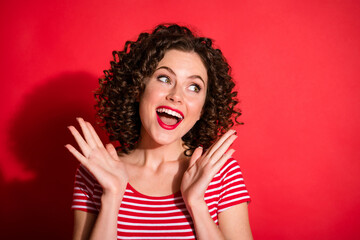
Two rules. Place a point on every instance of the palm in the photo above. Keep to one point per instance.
(202, 168)
(102, 162)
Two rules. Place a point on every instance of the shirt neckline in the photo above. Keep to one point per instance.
(172, 195)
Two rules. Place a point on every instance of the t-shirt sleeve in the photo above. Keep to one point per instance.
(87, 191)
(233, 190)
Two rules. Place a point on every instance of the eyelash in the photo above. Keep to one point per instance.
(197, 86)
(163, 76)
(168, 80)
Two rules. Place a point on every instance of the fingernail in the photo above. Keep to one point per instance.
(231, 151)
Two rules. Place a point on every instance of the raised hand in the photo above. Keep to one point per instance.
(202, 168)
(103, 162)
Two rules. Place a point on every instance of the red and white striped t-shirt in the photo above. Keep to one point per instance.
(147, 217)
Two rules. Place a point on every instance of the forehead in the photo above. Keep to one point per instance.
(181, 62)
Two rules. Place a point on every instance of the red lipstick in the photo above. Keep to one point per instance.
(166, 126)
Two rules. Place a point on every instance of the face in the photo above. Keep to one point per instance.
(173, 97)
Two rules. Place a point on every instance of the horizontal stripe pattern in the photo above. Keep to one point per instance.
(146, 217)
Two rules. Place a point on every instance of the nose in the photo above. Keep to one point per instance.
(175, 95)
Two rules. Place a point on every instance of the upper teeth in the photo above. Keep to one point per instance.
(170, 112)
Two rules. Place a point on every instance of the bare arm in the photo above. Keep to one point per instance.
(202, 169)
(234, 223)
(104, 164)
(205, 227)
(196, 179)
(102, 226)
(106, 224)
(83, 224)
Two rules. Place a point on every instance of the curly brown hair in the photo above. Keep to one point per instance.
(117, 96)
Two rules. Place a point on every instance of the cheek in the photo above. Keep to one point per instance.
(148, 96)
(197, 108)
(145, 103)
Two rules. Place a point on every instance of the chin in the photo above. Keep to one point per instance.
(165, 140)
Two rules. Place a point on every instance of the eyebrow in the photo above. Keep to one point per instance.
(172, 72)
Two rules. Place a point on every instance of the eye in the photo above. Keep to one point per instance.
(164, 79)
(195, 88)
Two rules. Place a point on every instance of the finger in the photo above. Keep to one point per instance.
(80, 141)
(112, 151)
(76, 154)
(223, 148)
(226, 156)
(218, 143)
(94, 135)
(86, 131)
(195, 156)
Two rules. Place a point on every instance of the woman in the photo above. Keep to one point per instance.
(167, 101)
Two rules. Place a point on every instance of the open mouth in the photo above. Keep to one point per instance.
(168, 118)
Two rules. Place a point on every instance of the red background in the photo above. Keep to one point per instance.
(297, 67)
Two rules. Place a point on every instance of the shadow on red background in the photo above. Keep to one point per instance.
(40, 208)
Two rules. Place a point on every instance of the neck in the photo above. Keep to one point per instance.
(151, 154)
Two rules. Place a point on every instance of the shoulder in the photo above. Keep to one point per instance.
(232, 185)
(86, 182)
(230, 169)
(85, 175)
(231, 166)
(87, 191)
